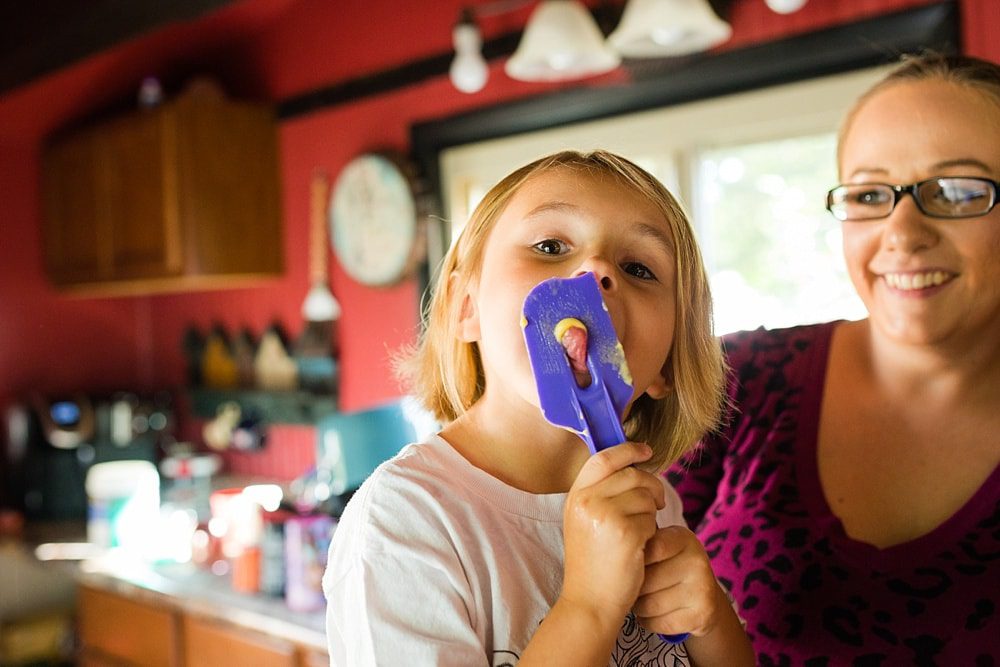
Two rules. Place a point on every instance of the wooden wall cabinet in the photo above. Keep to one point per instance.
(185, 195)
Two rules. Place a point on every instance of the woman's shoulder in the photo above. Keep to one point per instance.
(777, 346)
(762, 339)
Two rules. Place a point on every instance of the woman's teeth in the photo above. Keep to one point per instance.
(915, 281)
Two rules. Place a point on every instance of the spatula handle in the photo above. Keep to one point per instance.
(603, 426)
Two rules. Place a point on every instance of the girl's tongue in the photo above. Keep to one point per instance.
(572, 334)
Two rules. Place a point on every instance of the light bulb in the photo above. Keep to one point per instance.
(785, 6)
(468, 71)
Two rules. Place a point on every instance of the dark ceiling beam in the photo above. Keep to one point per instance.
(42, 36)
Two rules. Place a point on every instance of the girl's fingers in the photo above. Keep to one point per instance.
(667, 543)
(611, 472)
(675, 611)
(605, 463)
(679, 621)
(636, 501)
(679, 591)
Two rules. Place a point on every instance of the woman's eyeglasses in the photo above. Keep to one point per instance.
(945, 197)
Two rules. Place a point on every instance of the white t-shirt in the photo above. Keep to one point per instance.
(436, 562)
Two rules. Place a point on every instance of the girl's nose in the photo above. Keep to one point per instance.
(906, 229)
(601, 268)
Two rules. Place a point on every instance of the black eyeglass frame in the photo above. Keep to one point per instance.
(913, 190)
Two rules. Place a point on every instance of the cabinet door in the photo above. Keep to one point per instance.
(228, 180)
(122, 629)
(314, 658)
(209, 643)
(76, 234)
(142, 216)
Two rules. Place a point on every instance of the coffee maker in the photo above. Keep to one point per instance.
(53, 441)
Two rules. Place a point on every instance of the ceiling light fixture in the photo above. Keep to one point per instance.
(468, 71)
(561, 41)
(784, 6)
(661, 28)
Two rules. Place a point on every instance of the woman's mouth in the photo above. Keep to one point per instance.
(916, 280)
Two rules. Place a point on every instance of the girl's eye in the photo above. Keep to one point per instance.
(639, 270)
(550, 247)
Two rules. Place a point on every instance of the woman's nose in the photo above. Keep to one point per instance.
(600, 267)
(907, 229)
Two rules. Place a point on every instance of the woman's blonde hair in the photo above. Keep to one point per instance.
(973, 73)
(447, 374)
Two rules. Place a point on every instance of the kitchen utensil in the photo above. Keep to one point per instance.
(593, 412)
(218, 367)
(274, 368)
(314, 350)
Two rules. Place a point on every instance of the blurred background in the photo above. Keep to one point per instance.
(220, 219)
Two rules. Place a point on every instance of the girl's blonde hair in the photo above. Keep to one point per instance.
(447, 374)
(979, 75)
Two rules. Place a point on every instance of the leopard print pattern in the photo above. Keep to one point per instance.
(811, 595)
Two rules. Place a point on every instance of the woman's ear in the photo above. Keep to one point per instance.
(468, 313)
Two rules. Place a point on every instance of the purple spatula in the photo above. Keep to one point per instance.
(593, 412)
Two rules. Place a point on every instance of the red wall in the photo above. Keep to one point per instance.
(273, 49)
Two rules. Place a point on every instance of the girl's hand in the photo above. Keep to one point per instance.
(679, 593)
(609, 516)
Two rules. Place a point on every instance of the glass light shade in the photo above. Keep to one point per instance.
(659, 28)
(561, 42)
(468, 71)
(784, 6)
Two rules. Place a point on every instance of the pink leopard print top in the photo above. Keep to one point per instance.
(809, 593)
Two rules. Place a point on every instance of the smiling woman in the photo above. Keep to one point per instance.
(853, 494)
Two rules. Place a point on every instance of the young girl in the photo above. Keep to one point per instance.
(501, 540)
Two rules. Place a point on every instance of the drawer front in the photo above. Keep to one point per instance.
(209, 643)
(126, 630)
(313, 658)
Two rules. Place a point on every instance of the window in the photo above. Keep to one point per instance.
(772, 250)
(752, 171)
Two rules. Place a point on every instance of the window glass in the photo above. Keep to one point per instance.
(751, 169)
(773, 252)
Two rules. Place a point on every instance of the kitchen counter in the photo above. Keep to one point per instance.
(172, 614)
(191, 590)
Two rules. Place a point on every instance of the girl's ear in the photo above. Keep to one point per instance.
(663, 385)
(468, 314)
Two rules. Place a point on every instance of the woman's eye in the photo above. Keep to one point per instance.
(639, 270)
(870, 197)
(550, 247)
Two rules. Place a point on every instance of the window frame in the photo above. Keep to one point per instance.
(674, 81)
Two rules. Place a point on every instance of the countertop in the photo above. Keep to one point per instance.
(190, 589)
(181, 586)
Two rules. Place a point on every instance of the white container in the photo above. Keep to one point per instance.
(124, 504)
